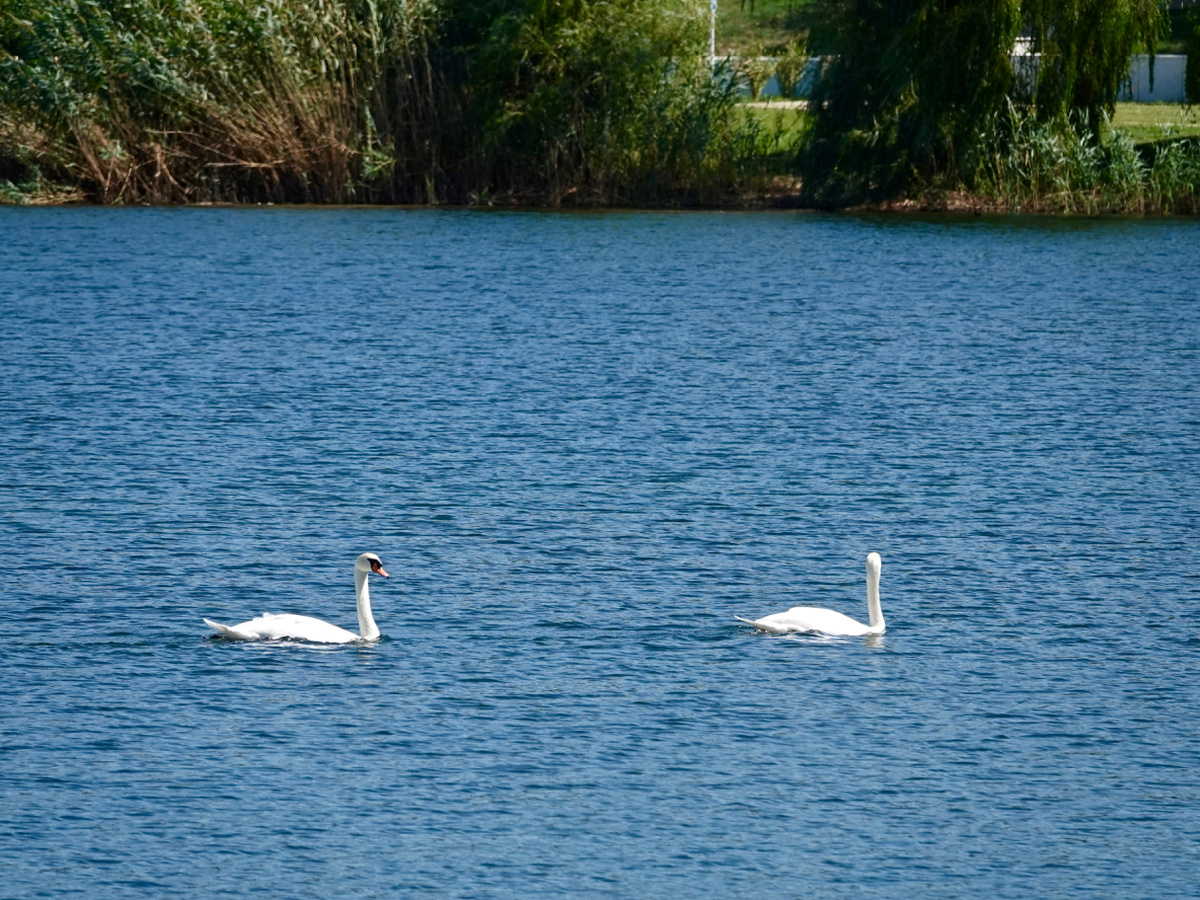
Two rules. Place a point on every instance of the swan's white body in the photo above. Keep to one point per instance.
(826, 621)
(290, 627)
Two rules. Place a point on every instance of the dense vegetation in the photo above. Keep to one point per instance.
(1085, 47)
(906, 93)
(422, 101)
(922, 99)
(596, 102)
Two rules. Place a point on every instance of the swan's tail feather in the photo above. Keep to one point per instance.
(225, 631)
(765, 626)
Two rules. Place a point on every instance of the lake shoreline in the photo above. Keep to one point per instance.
(954, 203)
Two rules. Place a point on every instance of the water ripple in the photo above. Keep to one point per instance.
(581, 444)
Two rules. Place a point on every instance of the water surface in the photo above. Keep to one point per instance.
(581, 444)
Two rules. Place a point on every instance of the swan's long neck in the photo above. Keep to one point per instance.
(874, 610)
(367, 629)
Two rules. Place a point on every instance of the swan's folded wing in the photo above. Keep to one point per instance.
(285, 627)
(809, 619)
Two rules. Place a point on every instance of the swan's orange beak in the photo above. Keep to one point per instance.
(377, 568)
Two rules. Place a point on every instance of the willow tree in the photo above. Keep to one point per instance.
(1192, 46)
(1085, 46)
(907, 95)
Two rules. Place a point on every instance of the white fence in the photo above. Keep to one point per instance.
(1169, 69)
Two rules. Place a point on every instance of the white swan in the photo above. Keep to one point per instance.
(289, 627)
(826, 621)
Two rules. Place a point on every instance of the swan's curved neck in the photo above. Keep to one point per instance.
(874, 610)
(367, 628)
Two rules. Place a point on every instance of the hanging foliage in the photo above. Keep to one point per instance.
(1085, 46)
(1192, 48)
(907, 94)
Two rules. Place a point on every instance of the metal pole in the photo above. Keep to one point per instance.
(712, 35)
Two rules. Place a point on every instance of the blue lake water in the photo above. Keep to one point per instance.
(581, 444)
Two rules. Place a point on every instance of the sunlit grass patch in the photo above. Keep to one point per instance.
(790, 115)
(1147, 122)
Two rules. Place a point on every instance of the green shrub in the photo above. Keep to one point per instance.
(790, 67)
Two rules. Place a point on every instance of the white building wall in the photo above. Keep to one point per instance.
(1169, 70)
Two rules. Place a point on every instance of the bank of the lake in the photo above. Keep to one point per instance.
(1147, 164)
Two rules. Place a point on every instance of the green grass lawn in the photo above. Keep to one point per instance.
(787, 118)
(1148, 122)
(1145, 121)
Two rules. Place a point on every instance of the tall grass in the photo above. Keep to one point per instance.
(185, 100)
(425, 101)
(1057, 166)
